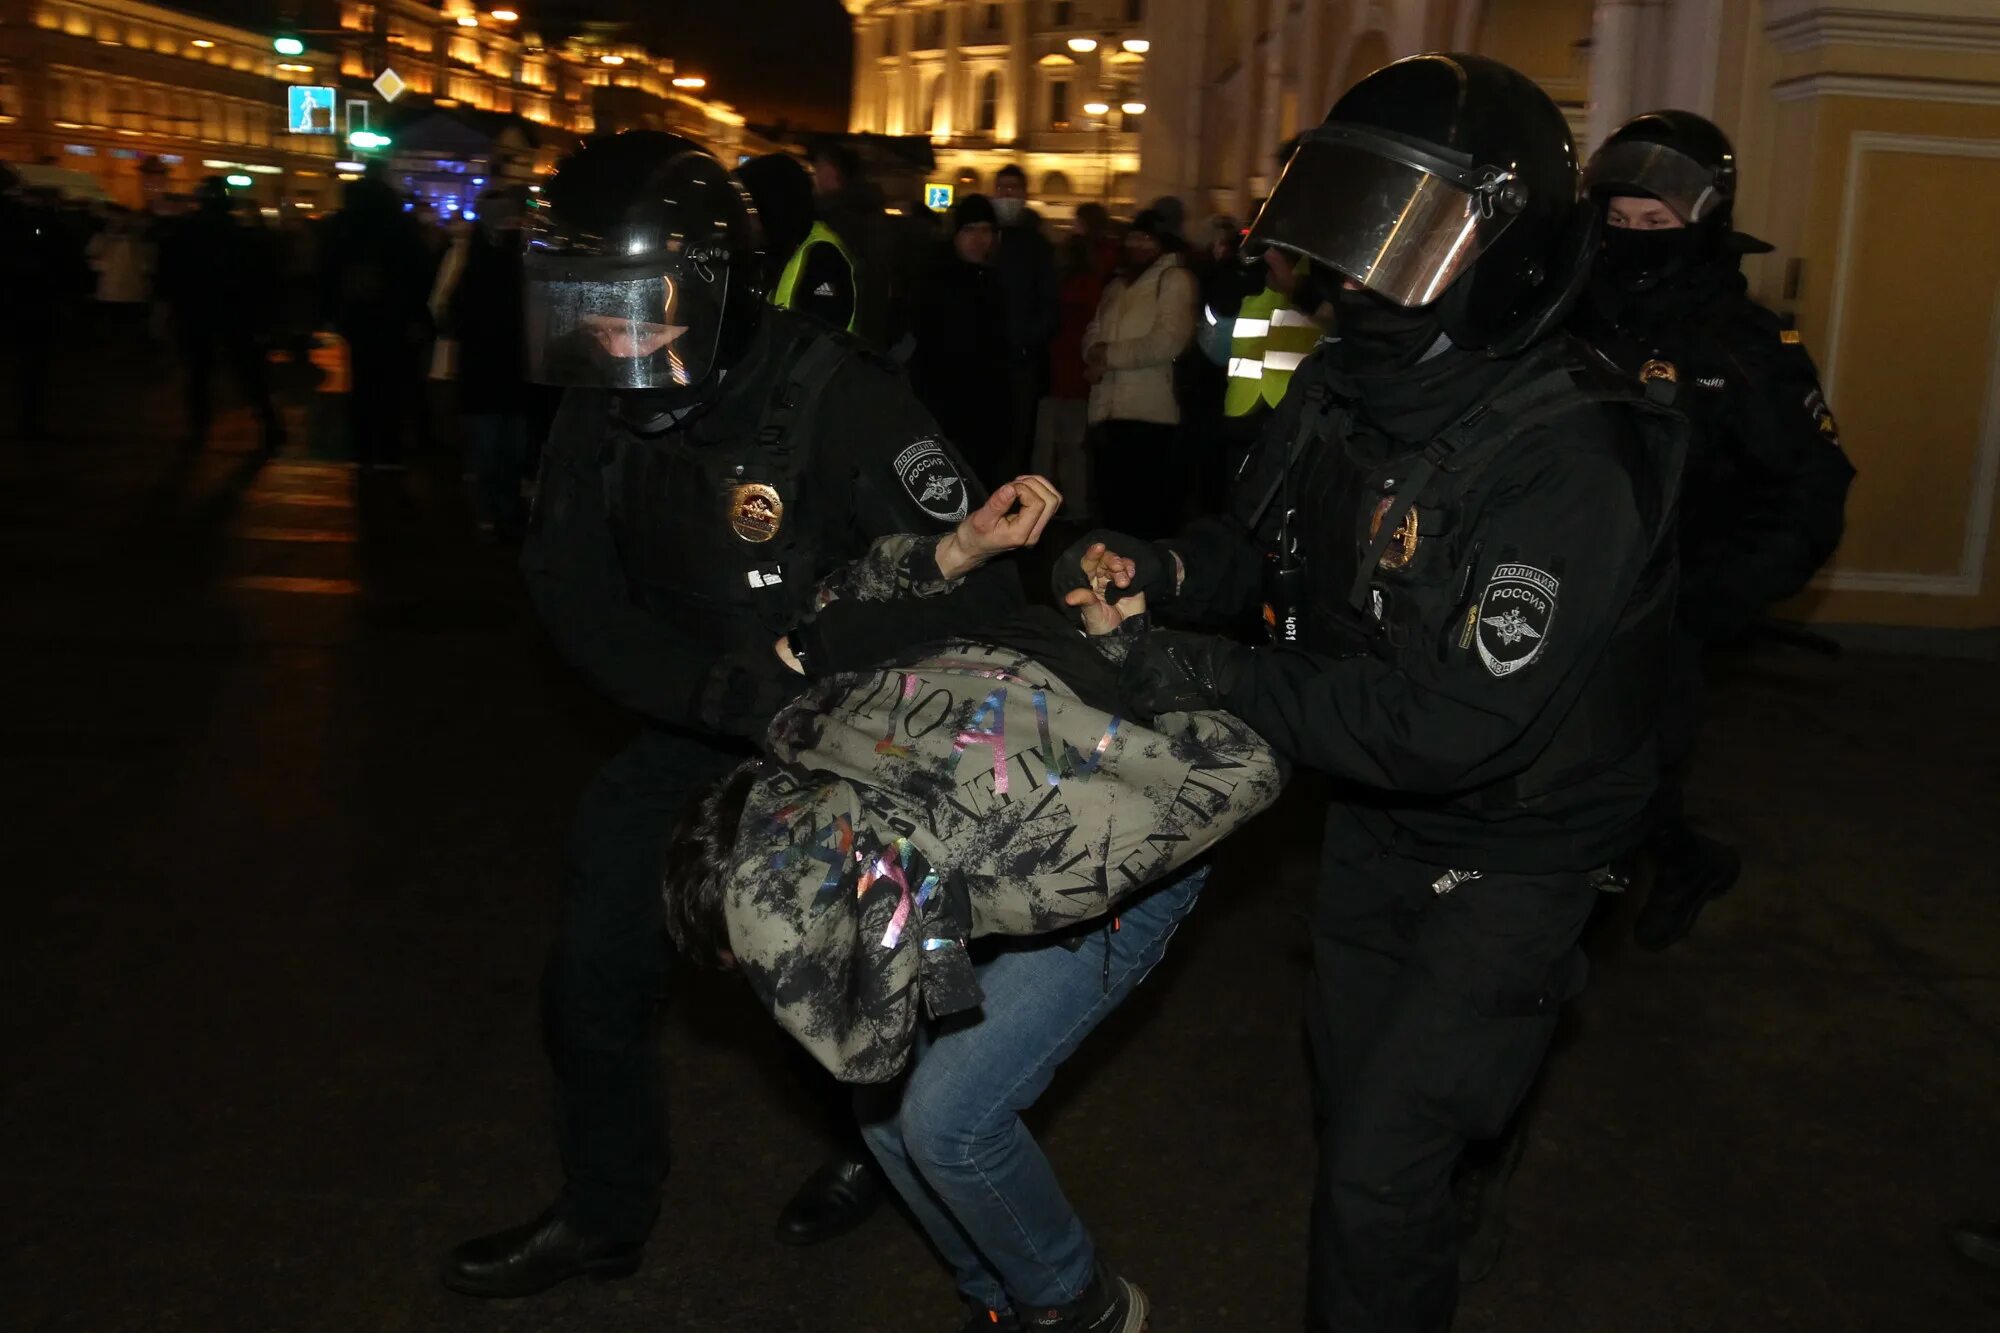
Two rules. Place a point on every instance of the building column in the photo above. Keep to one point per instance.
(859, 121)
(1015, 108)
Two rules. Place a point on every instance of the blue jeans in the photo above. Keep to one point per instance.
(949, 1134)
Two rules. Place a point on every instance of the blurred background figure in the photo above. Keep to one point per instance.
(1144, 322)
(1083, 262)
(1028, 278)
(808, 267)
(959, 366)
(217, 282)
(122, 256)
(484, 315)
(34, 256)
(851, 206)
(375, 276)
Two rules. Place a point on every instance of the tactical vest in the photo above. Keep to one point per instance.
(1268, 342)
(1392, 566)
(787, 289)
(720, 537)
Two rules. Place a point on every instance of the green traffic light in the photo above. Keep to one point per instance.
(288, 46)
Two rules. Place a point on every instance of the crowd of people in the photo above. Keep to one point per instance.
(1440, 487)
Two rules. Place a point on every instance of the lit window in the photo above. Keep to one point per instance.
(989, 103)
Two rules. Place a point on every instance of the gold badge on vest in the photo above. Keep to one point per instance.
(1402, 547)
(756, 511)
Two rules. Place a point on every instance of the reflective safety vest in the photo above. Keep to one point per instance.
(1269, 341)
(788, 281)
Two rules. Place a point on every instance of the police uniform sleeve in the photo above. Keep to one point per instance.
(1558, 554)
(1223, 555)
(1787, 456)
(826, 286)
(894, 468)
(628, 654)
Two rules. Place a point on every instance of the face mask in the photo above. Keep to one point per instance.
(1637, 261)
(1377, 335)
(1009, 210)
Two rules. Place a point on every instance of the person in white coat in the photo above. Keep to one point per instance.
(1145, 321)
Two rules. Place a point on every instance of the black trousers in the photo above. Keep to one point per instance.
(1428, 1013)
(1679, 724)
(1135, 477)
(607, 975)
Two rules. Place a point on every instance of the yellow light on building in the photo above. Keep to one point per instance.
(202, 42)
(1138, 46)
(690, 81)
(1082, 45)
(467, 21)
(612, 60)
(1133, 108)
(1096, 108)
(503, 16)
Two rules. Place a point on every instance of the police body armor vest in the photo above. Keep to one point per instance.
(1395, 568)
(718, 536)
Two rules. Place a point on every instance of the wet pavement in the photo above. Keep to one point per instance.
(286, 766)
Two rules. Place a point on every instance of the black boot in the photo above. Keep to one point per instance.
(836, 1198)
(1110, 1305)
(1689, 870)
(534, 1256)
(979, 1319)
(1480, 1190)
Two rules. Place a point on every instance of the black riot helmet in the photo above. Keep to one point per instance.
(1676, 157)
(1443, 179)
(642, 267)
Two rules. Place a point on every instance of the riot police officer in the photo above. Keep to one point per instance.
(712, 457)
(1766, 484)
(1466, 525)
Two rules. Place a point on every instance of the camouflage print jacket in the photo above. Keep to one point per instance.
(911, 808)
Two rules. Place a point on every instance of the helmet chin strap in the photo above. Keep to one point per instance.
(657, 411)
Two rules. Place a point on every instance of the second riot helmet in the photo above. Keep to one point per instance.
(1448, 179)
(642, 268)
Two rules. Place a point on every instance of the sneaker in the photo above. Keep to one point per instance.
(1110, 1305)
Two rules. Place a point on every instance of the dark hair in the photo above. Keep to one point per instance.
(842, 159)
(694, 882)
(1014, 170)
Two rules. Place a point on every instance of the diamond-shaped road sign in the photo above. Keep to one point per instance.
(390, 84)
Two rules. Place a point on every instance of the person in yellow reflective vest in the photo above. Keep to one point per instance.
(808, 267)
(1268, 340)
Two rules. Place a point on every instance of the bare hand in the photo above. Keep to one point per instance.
(1012, 518)
(1101, 616)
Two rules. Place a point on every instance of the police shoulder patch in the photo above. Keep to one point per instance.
(1515, 613)
(931, 478)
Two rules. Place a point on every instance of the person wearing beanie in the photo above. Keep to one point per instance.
(808, 267)
(959, 365)
(1144, 322)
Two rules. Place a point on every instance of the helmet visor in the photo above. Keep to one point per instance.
(1394, 217)
(1658, 170)
(606, 331)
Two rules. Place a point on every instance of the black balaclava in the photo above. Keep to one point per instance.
(1379, 337)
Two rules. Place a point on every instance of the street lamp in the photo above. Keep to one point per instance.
(1133, 108)
(1138, 46)
(1083, 45)
(1096, 108)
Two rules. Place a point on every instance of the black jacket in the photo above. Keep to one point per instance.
(1488, 704)
(1765, 492)
(959, 365)
(485, 314)
(643, 556)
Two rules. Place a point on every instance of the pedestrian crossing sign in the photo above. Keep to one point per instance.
(309, 110)
(937, 197)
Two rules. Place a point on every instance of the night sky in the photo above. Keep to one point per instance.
(770, 59)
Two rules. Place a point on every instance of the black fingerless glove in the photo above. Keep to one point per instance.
(1153, 574)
